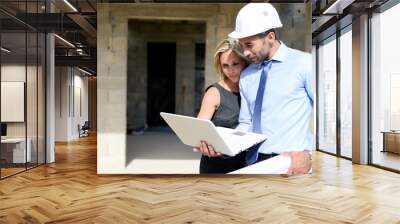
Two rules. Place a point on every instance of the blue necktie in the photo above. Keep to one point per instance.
(252, 153)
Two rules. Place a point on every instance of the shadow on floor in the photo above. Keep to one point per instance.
(158, 143)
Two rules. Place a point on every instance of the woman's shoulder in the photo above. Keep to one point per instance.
(215, 87)
(212, 96)
(212, 91)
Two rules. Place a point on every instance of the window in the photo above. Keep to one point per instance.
(385, 85)
(327, 96)
(346, 92)
(22, 77)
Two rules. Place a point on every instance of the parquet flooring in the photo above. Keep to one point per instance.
(70, 191)
(10, 171)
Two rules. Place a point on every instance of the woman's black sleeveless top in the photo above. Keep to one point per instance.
(227, 114)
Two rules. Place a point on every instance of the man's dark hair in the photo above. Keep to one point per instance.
(265, 33)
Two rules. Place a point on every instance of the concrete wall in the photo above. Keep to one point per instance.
(296, 31)
(112, 58)
(185, 35)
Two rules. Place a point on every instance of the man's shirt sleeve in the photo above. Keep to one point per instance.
(245, 114)
(309, 78)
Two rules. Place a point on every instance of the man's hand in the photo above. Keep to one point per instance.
(206, 149)
(301, 162)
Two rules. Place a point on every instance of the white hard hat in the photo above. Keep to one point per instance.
(255, 18)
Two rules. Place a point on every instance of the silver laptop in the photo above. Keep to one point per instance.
(227, 141)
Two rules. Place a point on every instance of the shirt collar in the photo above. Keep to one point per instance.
(279, 55)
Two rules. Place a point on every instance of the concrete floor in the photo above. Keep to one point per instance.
(159, 151)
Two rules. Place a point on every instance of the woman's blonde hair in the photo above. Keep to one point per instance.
(224, 46)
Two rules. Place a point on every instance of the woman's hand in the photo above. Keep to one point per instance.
(210, 103)
(206, 149)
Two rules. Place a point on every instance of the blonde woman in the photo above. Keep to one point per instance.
(221, 104)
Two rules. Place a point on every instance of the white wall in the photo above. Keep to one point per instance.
(14, 73)
(61, 103)
(70, 83)
(34, 125)
(12, 101)
(17, 73)
(79, 117)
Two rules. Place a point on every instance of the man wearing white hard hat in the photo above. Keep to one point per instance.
(276, 93)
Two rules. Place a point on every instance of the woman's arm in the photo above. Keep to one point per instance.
(210, 103)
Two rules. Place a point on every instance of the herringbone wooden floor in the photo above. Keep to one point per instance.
(70, 191)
